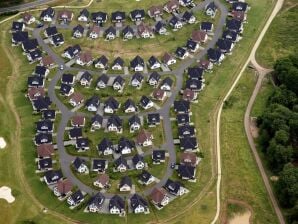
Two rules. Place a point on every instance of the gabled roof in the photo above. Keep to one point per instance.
(45, 150)
(111, 31)
(42, 138)
(87, 76)
(129, 103)
(234, 24)
(191, 44)
(84, 12)
(155, 10)
(138, 77)
(127, 30)
(117, 201)
(79, 28)
(94, 29)
(45, 163)
(134, 119)
(229, 34)
(85, 57)
(64, 186)
(93, 101)
(206, 26)
(41, 103)
(78, 120)
(103, 179)
(224, 44)
(211, 6)
(136, 201)
(77, 97)
(20, 36)
(30, 44)
(181, 106)
(153, 118)
(137, 13)
(198, 35)
(159, 25)
(154, 76)
(167, 57)
(44, 125)
(73, 50)
(118, 15)
(172, 187)
(152, 61)
(121, 161)
(99, 16)
(49, 114)
(105, 144)
(188, 143)
(137, 61)
(103, 78)
(78, 162)
(157, 195)
(183, 118)
(188, 158)
(239, 6)
(186, 171)
(101, 60)
(47, 60)
(118, 61)
(115, 120)
(82, 143)
(53, 175)
(67, 78)
(214, 54)
(51, 31)
(125, 181)
(65, 14)
(195, 73)
(96, 118)
(97, 200)
(186, 130)
(158, 155)
(158, 94)
(187, 15)
(40, 70)
(99, 164)
(193, 84)
(48, 12)
(75, 132)
(188, 95)
(112, 103)
(125, 143)
(35, 81)
(119, 79)
(145, 176)
(144, 101)
(137, 158)
(58, 38)
(77, 196)
(36, 54)
(173, 21)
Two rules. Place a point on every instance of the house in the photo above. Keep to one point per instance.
(57, 40)
(186, 131)
(175, 23)
(19, 37)
(76, 198)
(125, 146)
(192, 45)
(153, 119)
(186, 3)
(137, 64)
(181, 106)
(41, 71)
(159, 197)
(225, 46)
(102, 81)
(80, 165)
(127, 33)
(121, 164)
(82, 144)
(45, 151)
(181, 53)
(144, 30)
(174, 188)
(111, 105)
(71, 51)
(194, 85)
(138, 204)
(138, 162)
(118, 83)
(234, 25)
(153, 63)
(183, 119)
(35, 81)
(117, 205)
(76, 99)
(189, 158)
(206, 65)
(240, 6)
(49, 114)
(110, 33)
(92, 104)
(159, 94)
(96, 202)
(41, 104)
(137, 15)
(96, 122)
(125, 184)
(195, 73)
(207, 27)
(158, 156)
(47, 15)
(118, 64)
(155, 11)
(68, 79)
(44, 126)
(144, 138)
(146, 103)
(52, 176)
(146, 178)
(94, 32)
(63, 188)
(28, 18)
(47, 61)
(105, 147)
(188, 17)
(65, 15)
(160, 28)
(86, 79)
(186, 172)
(84, 15)
(189, 95)
(134, 123)
(188, 143)
(84, 58)
(231, 35)
(34, 56)
(101, 62)
(99, 17)
(78, 121)
(75, 133)
(78, 31)
(168, 59)
(29, 45)
(137, 80)
(211, 9)
(171, 6)
(238, 15)
(118, 17)
(215, 55)
(50, 31)
(99, 165)
(199, 36)
(114, 124)
(153, 79)
(102, 181)
(129, 106)
(35, 92)
(42, 138)
(45, 164)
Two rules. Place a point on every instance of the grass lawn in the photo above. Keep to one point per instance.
(281, 38)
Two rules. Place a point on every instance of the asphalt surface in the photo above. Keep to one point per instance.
(25, 6)
(66, 159)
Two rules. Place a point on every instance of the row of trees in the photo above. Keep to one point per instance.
(6, 3)
(279, 134)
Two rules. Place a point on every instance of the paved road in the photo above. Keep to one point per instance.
(66, 159)
(263, 71)
(25, 6)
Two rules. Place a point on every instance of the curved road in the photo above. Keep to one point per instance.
(262, 71)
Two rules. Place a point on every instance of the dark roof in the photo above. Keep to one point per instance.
(137, 76)
(45, 163)
(172, 186)
(137, 14)
(67, 78)
(82, 143)
(181, 106)
(78, 162)
(187, 15)
(58, 38)
(35, 81)
(158, 155)
(112, 103)
(65, 89)
(44, 125)
(101, 60)
(214, 54)
(104, 145)
(97, 118)
(187, 171)
(99, 164)
(153, 60)
(48, 12)
(180, 52)
(234, 25)
(167, 81)
(41, 103)
(191, 44)
(211, 6)
(125, 181)
(40, 70)
(206, 26)
(117, 121)
(173, 21)
(145, 176)
(193, 84)
(111, 31)
(20, 37)
(49, 114)
(137, 61)
(159, 25)
(53, 175)
(153, 118)
(127, 29)
(230, 35)
(119, 79)
(42, 138)
(183, 118)
(186, 130)
(30, 44)
(117, 201)
(75, 132)
(77, 196)
(239, 6)
(99, 17)
(93, 101)
(118, 61)
(136, 201)
(118, 16)
(121, 160)
(103, 78)
(188, 143)
(224, 44)
(134, 119)
(144, 101)
(128, 103)
(87, 76)
(125, 143)
(195, 73)
(155, 76)
(73, 50)
(78, 28)
(97, 200)
(36, 54)
(51, 31)
(137, 158)
(84, 12)
(17, 26)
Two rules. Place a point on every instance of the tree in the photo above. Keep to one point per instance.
(282, 137)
